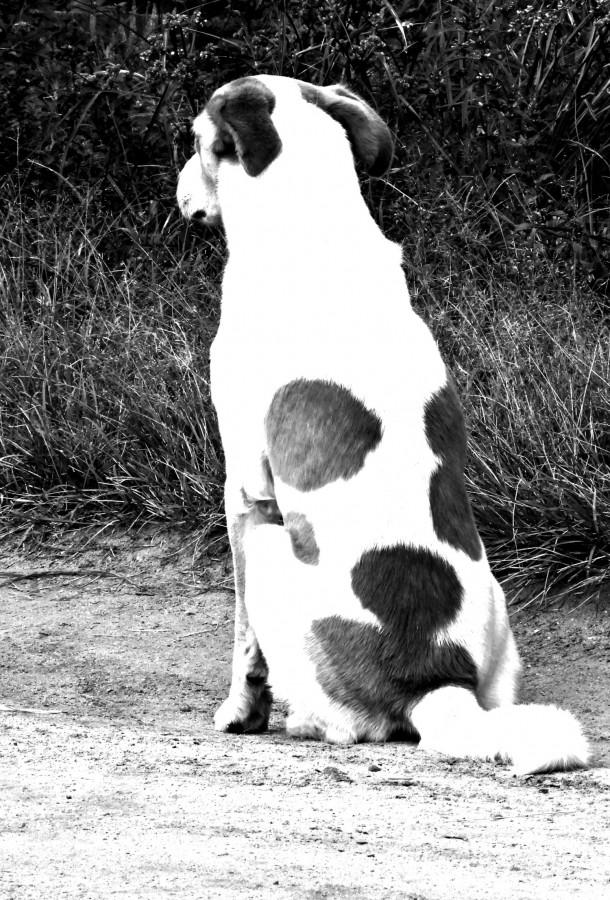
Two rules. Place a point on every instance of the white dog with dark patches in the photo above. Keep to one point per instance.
(364, 596)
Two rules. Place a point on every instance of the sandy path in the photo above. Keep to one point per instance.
(116, 786)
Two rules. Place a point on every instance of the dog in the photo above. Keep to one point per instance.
(364, 597)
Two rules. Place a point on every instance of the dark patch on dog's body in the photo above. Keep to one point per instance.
(242, 115)
(408, 585)
(414, 593)
(318, 432)
(449, 504)
(368, 134)
(303, 538)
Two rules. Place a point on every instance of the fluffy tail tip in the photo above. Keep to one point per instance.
(536, 738)
(533, 737)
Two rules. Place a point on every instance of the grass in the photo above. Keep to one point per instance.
(105, 413)
(499, 191)
(535, 375)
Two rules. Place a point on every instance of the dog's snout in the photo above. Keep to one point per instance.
(196, 193)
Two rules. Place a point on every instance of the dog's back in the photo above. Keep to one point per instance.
(374, 605)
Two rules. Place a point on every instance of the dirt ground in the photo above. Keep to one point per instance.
(113, 783)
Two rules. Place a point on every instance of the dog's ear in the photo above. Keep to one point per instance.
(368, 134)
(242, 115)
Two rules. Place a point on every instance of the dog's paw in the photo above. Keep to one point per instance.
(244, 713)
(311, 726)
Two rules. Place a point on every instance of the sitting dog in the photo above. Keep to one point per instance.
(363, 594)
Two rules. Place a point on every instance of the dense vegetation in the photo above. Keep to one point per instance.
(499, 190)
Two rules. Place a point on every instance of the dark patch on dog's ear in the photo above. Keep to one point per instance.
(224, 142)
(317, 432)
(242, 115)
(368, 134)
(414, 593)
(303, 538)
(449, 504)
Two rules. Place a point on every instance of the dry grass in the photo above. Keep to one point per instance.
(104, 400)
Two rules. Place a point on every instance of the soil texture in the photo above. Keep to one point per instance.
(114, 654)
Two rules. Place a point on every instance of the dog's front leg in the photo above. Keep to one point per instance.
(248, 705)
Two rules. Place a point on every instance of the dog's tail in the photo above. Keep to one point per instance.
(534, 738)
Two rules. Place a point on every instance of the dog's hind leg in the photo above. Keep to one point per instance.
(248, 705)
(500, 669)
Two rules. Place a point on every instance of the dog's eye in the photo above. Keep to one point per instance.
(224, 145)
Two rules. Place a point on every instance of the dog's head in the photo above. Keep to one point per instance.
(238, 127)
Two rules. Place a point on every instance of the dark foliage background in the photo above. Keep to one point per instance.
(499, 189)
(506, 100)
